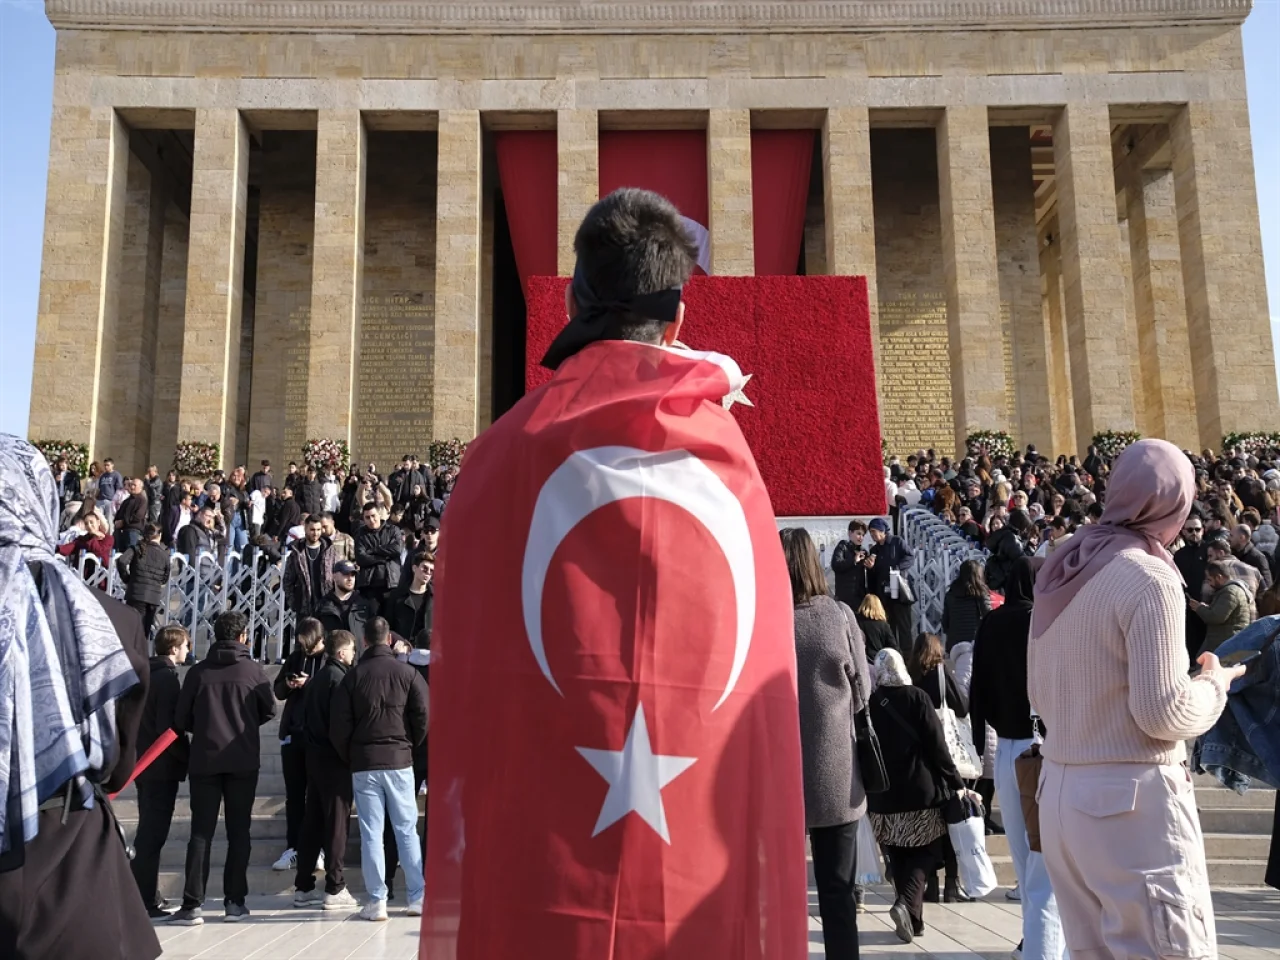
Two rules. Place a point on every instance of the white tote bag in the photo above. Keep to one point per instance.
(959, 737)
(977, 873)
(867, 869)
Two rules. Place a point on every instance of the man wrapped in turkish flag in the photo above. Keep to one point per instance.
(615, 750)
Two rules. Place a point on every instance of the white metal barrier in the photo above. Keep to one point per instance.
(198, 592)
(939, 551)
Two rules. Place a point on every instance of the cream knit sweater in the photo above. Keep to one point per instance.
(1109, 676)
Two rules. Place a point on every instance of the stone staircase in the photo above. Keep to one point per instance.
(1237, 835)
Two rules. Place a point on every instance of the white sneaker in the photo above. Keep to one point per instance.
(415, 908)
(375, 910)
(288, 861)
(342, 900)
(320, 862)
(1014, 895)
(308, 898)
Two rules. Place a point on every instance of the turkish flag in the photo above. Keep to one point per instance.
(615, 749)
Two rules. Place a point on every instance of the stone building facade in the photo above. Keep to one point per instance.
(277, 220)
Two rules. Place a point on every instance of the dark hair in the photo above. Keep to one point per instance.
(230, 626)
(1218, 568)
(340, 640)
(1020, 522)
(327, 515)
(169, 639)
(311, 518)
(857, 526)
(807, 578)
(421, 555)
(377, 631)
(309, 634)
(1095, 511)
(633, 242)
(971, 581)
(422, 640)
(926, 654)
(371, 505)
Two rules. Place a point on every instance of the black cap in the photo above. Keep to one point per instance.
(345, 566)
(433, 523)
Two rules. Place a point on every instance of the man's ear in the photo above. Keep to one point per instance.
(570, 302)
(672, 333)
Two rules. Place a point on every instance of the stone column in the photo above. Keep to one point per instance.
(337, 269)
(578, 178)
(850, 214)
(1233, 365)
(1092, 275)
(730, 221)
(79, 275)
(209, 390)
(971, 266)
(458, 222)
(1061, 412)
(169, 336)
(1164, 350)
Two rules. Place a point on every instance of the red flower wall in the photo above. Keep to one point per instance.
(806, 341)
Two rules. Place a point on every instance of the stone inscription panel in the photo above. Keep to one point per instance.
(393, 409)
(915, 374)
(297, 356)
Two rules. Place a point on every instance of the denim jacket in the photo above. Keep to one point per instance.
(1244, 745)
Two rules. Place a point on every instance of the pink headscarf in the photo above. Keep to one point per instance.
(1152, 488)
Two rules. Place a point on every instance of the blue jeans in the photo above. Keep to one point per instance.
(389, 792)
(1041, 926)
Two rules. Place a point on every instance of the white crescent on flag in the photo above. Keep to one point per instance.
(702, 238)
(591, 479)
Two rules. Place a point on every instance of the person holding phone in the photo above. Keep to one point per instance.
(303, 663)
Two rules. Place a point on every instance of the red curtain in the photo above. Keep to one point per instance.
(527, 170)
(780, 164)
(670, 162)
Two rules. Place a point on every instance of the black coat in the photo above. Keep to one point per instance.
(318, 708)
(379, 713)
(1005, 547)
(1191, 562)
(1258, 560)
(351, 615)
(157, 717)
(998, 687)
(193, 540)
(961, 614)
(224, 701)
(916, 759)
(378, 557)
(68, 893)
(291, 717)
(145, 571)
(956, 699)
(893, 554)
(879, 636)
(310, 493)
(288, 516)
(851, 576)
(402, 616)
(132, 514)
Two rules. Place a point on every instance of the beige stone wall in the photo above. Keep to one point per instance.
(729, 193)
(169, 337)
(971, 270)
(215, 281)
(577, 179)
(127, 428)
(1026, 367)
(914, 373)
(282, 308)
(395, 372)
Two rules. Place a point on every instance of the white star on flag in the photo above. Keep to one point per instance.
(739, 394)
(636, 777)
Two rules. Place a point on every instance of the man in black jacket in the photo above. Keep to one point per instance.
(851, 572)
(197, 536)
(888, 554)
(409, 608)
(310, 494)
(288, 516)
(158, 784)
(303, 663)
(328, 807)
(1192, 560)
(379, 718)
(343, 608)
(378, 549)
(224, 701)
(308, 569)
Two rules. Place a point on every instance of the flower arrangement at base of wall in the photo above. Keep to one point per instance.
(446, 453)
(194, 458)
(1254, 443)
(326, 454)
(77, 454)
(994, 443)
(1111, 443)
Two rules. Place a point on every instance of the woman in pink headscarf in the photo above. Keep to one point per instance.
(1108, 672)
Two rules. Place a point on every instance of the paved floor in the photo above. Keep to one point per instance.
(1248, 929)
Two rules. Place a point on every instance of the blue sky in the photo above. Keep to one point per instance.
(26, 84)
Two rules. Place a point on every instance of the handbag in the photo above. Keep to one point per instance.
(967, 832)
(867, 752)
(1026, 770)
(959, 740)
(905, 593)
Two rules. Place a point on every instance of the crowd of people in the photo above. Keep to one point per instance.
(1188, 540)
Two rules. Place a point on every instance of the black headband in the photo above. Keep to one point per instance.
(587, 327)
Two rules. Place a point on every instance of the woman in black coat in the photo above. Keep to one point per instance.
(967, 601)
(145, 571)
(875, 626)
(907, 818)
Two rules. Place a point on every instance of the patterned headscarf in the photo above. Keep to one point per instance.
(891, 671)
(62, 666)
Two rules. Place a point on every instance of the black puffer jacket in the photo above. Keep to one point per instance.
(157, 717)
(378, 557)
(145, 571)
(224, 701)
(318, 708)
(915, 753)
(379, 713)
(291, 717)
(1005, 547)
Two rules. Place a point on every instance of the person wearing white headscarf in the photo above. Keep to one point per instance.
(73, 677)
